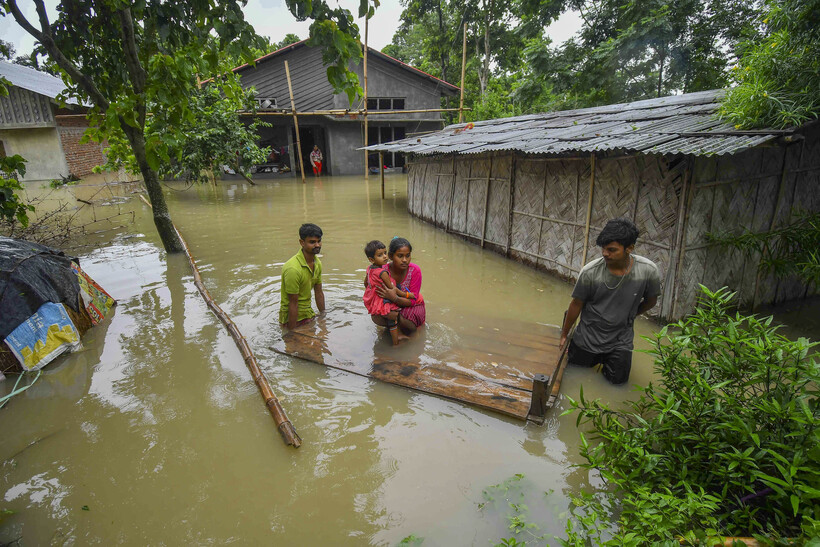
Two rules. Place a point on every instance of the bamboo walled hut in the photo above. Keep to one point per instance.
(539, 188)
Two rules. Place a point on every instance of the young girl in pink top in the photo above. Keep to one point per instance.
(377, 275)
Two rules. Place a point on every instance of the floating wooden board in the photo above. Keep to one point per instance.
(488, 367)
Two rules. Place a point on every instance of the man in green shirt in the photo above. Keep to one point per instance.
(300, 274)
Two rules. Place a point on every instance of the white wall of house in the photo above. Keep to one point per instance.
(42, 150)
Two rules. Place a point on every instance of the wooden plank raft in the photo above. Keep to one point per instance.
(515, 371)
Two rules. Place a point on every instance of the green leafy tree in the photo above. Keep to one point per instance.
(131, 60)
(124, 59)
(6, 49)
(628, 50)
(726, 444)
(215, 136)
(778, 77)
(12, 206)
(286, 41)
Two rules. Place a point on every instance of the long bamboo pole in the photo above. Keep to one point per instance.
(366, 153)
(295, 124)
(463, 67)
(381, 170)
(348, 112)
(284, 425)
(589, 208)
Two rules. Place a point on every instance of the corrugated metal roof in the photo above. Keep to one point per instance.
(678, 124)
(33, 80)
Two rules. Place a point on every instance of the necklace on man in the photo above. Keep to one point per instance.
(631, 262)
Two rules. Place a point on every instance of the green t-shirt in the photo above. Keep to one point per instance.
(298, 279)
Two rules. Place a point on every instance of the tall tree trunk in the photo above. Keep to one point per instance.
(162, 219)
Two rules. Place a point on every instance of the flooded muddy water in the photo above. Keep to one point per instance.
(156, 434)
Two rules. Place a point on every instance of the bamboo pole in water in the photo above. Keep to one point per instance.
(366, 153)
(295, 125)
(381, 170)
(286, 428)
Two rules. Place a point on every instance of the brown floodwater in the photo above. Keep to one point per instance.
(155, 433)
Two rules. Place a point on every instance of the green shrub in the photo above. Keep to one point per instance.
(725, 445)
(12, 207)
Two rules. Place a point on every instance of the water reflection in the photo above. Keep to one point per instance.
(160, 431)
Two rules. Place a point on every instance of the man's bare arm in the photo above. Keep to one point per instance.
(320, 297)
(293, 310)
(647, 304)
(574, 310)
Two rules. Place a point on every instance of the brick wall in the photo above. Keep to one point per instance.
(81, 158)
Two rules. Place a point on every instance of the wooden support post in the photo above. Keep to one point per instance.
(381, 170)
(671, 276)
(540, 394)
(682, 252)
(295, 124)
(486, 203)
(511, 203)
(589, 208)
(366, 153)
(283, 423)
(463, 66)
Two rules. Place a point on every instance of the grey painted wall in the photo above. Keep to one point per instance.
(24, 108)
(386, 79)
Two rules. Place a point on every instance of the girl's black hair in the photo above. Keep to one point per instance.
(621, 230)
(397, 243)
(371, 248)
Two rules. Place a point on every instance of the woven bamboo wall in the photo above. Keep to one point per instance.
(534, 210)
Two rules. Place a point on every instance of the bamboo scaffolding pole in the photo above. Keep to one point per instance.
(463, 67)
(511, 203)
(366, 153)
(284, 425)
(295, 124)
(381, 171)
(348, 112)
(589, 207)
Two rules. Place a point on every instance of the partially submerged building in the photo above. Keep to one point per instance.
(392, 85)
(45, 133)
(539, 188)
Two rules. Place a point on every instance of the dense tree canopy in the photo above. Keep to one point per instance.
(626, 50)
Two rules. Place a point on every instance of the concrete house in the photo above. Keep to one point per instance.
(33, 125)
(392, 85)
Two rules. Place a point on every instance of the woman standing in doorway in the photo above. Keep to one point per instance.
(316, 160)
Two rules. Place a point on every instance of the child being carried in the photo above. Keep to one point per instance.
(378, 275)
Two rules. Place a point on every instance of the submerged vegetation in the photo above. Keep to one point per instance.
(726, 444)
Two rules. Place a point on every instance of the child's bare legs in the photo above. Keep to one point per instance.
(393, 327)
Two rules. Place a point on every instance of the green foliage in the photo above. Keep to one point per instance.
(210, 135)
(68, 180)
(784, 252)
(509, 495)
(12, 207)
(725, 445)
(410, 540)
(289, 39)
(778, 78)
(335, 32)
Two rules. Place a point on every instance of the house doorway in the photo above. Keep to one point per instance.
(310, 136)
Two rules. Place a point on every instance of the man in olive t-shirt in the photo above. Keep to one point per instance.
(610, 292)
(301, 275)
